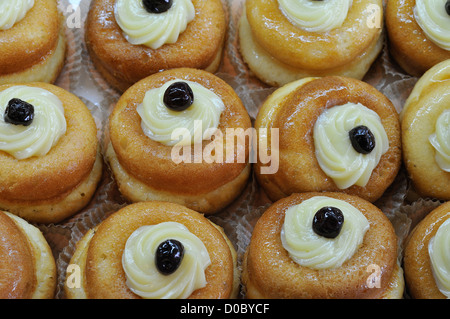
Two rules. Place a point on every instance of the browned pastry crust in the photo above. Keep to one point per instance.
(122, 64)
(278, 52)
(150, 162)
(269, 272)
(408, 44)
(36, 43)
(287, 42)
(52, 187)
(17, 272)
(21, 276)
(299, 170)
(100, 258)
(428, 100)
(418, 271)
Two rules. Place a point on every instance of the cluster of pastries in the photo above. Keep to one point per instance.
(341, 144)
(49, 151)
(282, 41)
(336, 144)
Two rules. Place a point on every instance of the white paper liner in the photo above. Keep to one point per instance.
(80, 77)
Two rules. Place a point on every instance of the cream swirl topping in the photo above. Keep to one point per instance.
(334, 151)
(143, 277)
(159, 123)
(151, 29)
(432, 17)
(316, 16)
(439, 252)
(440, 140)
(12, 11)
(307, 248)
(48, 125)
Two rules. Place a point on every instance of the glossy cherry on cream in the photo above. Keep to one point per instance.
(157, 6)
(362, 139)
(19, 112)
(169, 255)
(178, 96)
(328, 221)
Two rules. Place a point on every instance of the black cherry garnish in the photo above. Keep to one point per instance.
(157, 6)
(19, 112)
(362, 139)
(328, 221)
(178, 96)
(168, 256)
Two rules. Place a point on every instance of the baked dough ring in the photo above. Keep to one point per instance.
(269, 272)
(144, 169)
(28, 268)
(33, 50)
(269, 40)
(429, 98)
(294, 109)
(50, 188)
(408, 44)
(419, 277)
(99, 252)
(122, 64)
(276, 73)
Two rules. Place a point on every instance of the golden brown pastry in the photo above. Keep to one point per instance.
(426, 256)
(28, 269)
(49, 152)
(128, 41)
(425, 121)
(282, 41)
(32, 41)
(419, 33)
(179, 251)
(158, 152)
(322, 246)
(333, 134)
